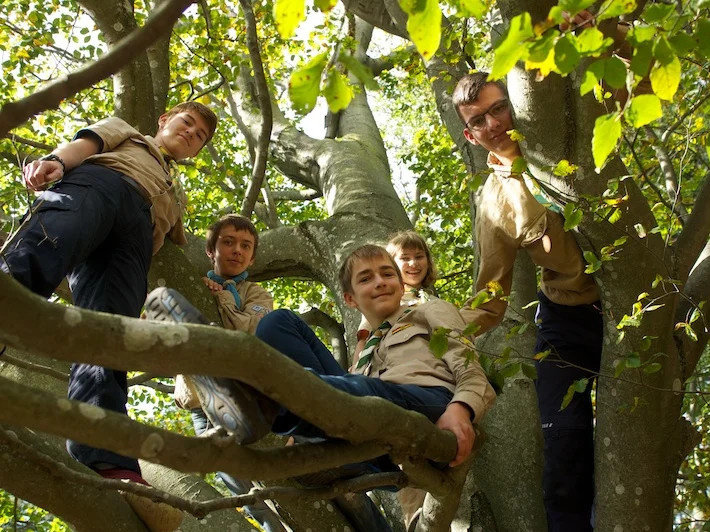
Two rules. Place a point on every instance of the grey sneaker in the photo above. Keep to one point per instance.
(228, 403)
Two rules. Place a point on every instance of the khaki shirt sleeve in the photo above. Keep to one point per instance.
(112, 131)
(472, 386)
(256, 303)
(497, 253)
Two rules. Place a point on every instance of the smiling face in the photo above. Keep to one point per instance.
(492, 132)
(234, 251)
(413, 264)
(376, 288)
(183, 134)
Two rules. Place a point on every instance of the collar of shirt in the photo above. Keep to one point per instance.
(531, 183)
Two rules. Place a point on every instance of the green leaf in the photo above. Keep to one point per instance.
(439, 342)
(645, 343)
(338, 92)
(530, 371)
(540, 49)
(702, 35)
(572, 7)
(304, 84)
(412, 6)
(619, 367)
(592, 42)
(325, 5)
(361, 72)
(576, 387)
(665, 79)
(471, 329)
(639, 34)
(641, 60)
(519, 165)
(620, 241)
(643, 110)
(653, 367)
(657, 280)
(657, 12)
(607, 130)
(593, 263)
(512, 46)
(471, 8)
(695, 315)
(288, 14)
(542, 355)
(510, 370)
(424, 28)
(614, 8)
(573, 216)
(481, 297)
(581, 385)
(592, 76)
(564, 168)
(690, 332)
(682, 43)
(662, 51)
(566, 54)
(633, 360)
(615, 72)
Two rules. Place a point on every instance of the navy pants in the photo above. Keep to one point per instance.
(573, 334)
(289, 334)
(95, 229)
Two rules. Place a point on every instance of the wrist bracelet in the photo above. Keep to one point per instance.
(57, 158)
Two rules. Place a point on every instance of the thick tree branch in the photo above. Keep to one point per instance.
(264, 101)
(669, 173)
(295, 195)
(695, 232)
(15, 113)
(374, 12)
(697, 289)
(133, 344)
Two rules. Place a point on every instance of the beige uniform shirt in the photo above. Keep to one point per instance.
(256, 303)
(509, 218)
(403, 356)
(411, 297)
(138, 156)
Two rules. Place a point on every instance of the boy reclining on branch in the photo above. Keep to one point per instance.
(396, 363)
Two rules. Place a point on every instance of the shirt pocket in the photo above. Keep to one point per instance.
(404, 342)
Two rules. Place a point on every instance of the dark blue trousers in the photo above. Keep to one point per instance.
(574, 335)
(95, 229)
(289, 334)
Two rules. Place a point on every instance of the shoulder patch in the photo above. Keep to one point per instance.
(401, 328)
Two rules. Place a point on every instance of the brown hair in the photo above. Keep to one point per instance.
(239, 222)
(366, 252)
(469, 87)
(411, 240)
(204, 111)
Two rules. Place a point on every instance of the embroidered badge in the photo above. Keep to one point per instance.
(401, 328)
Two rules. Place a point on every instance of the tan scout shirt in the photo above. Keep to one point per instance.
(510, 218)
(403, 356)
(256, 303)
(411, 297)
(138, 156)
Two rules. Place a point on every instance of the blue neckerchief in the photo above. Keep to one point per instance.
(230, 284)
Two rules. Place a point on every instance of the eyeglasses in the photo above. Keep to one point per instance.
(497, 110)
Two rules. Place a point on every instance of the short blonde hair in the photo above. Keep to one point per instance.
(366, 252)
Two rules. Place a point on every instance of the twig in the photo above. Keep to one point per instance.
(15, 113)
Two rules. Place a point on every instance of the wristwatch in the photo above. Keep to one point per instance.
(53, 157)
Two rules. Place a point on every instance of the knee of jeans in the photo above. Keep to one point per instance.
(274, 319)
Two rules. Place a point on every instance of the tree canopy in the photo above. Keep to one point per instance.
(337, 129)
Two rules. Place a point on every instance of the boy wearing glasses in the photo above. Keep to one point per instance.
(510, 218)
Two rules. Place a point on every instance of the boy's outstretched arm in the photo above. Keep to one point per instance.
(38, 174)
(457, 419)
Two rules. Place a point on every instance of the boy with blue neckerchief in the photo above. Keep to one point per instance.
(231, 245)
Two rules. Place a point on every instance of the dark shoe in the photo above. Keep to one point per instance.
(166, 304)
(236, 406)
(228, 403)
(158, 516)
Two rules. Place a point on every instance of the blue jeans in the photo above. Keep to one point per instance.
(95, 229)
(574, 334)
(289, 334)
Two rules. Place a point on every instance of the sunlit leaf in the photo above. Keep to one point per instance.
(665, 79)
(643, 110)
(564, 168)
(592, 42)
(304, 83)
(607, 130)
(572, 215)
(471, 8)
(566, 54)
(512, 46)
(338, 92)
(662, 51)
(424, 28)
(361, 72)
(288, 14)
(614, 8)
(654, 12)
(325, 5)
(592, 76)
(439, 342)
